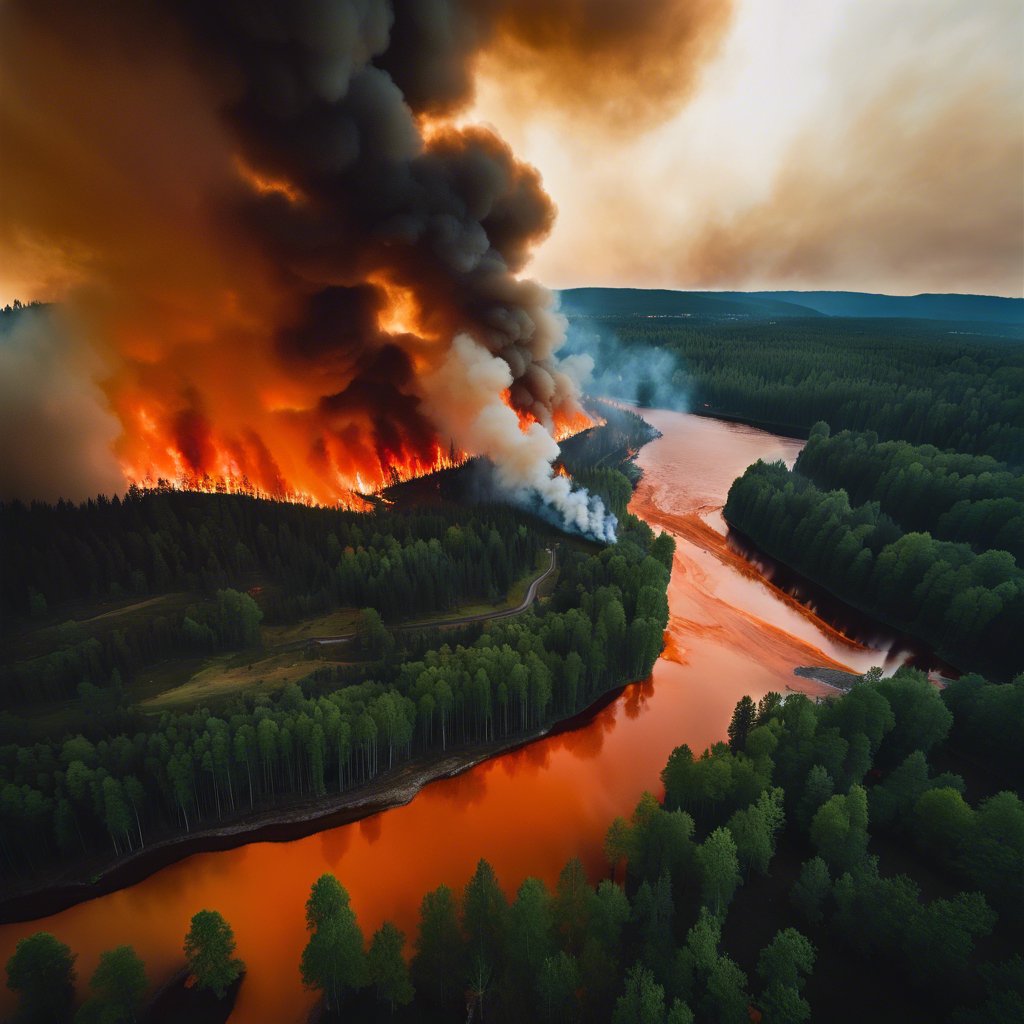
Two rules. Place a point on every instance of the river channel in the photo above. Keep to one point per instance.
(731, 632)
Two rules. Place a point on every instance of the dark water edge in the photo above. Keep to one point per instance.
(899, 646)
(793, 430)
(177, 1003)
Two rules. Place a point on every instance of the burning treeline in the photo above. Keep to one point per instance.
(294, 267)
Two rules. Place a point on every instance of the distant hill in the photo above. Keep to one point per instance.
(665, 302)
(977, 308)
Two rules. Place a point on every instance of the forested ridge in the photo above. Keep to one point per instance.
(927, 382)
(134, 776)
(835, 798)
(966, 603)
(149, 542)
(603, 302)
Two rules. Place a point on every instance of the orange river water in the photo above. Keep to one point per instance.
(731, 633)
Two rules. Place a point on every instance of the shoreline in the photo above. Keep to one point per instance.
(395, 787)
(844, 615)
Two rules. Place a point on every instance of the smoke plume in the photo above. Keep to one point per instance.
(622, 64)
(272, 237)
(465, 398)
(40, 356)
(643, 374)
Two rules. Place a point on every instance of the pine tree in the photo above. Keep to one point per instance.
(743, 718)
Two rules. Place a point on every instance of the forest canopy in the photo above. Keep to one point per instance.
(966, 603)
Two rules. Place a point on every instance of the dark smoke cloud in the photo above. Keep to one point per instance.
(275, 250)
(625, 63)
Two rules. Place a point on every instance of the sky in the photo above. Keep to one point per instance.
(857, 144)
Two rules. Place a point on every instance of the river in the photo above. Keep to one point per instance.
(730, 633)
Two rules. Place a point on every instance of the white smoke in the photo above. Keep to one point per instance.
(463, 397)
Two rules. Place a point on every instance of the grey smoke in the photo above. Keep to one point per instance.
(464, 396)
(641, 374)
(55, 425)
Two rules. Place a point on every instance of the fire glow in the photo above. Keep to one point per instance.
(316, 287)
(348, 494)
(228, 471)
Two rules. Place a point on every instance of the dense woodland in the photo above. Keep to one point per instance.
(151, 542)
(951, 495)
(837, 796)
(966, 604)
(952, 385)
(134, 776)
(299, 561)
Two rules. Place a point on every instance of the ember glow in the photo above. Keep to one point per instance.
(266, 186)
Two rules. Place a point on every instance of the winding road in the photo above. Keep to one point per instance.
(462, 620)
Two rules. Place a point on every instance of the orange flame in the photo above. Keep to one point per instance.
(159, 464)
(271, 435)
(264, 185)
(568, 424)
(229, 479)
(403, 313)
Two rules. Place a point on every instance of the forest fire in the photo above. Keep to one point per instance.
(349, 495)
(317, 289)
(569, 425)
(225, 472)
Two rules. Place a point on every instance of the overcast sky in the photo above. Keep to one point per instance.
(861, 144)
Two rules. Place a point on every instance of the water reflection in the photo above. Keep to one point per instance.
(527, 811)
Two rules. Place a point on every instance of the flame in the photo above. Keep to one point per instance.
(525, 419)
(230, 466)
(403, 313)
(265, 185)
(273, 436)
(228, 478)
(570, 423)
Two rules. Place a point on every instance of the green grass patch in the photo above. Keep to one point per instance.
(223, 676)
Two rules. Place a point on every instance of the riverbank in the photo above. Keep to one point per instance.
(392, 788)
(527, 812)
(793, 430)
(861, 624)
